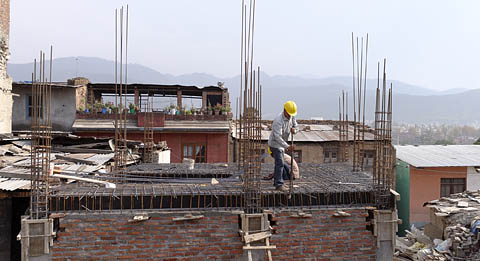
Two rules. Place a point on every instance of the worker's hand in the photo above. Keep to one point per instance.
(291, 148)
(292, 130)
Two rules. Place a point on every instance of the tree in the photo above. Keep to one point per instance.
(477, 142)
(444, 142)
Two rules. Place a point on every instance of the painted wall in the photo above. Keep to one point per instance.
(473, 179)
(217, 143)
(425, 186)
(63, 111)
(402, 186)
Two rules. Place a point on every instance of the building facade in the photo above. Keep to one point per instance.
(428, 172)
(63, 104)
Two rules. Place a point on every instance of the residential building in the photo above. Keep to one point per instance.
(196, 133)
(66, 99)
(317, 141)
(427, 172)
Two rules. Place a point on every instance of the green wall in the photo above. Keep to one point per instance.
(402, 186)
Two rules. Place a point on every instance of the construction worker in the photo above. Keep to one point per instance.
(287, 159)
(282, 126)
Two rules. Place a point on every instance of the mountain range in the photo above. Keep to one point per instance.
(316, 97)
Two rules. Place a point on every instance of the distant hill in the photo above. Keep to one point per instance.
(315, 97)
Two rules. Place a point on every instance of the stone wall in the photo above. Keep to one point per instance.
(5, 81)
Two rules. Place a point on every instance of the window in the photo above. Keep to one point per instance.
(297, 155)
(198, 152)
(451, 186)
(368, 157)
(30, 107)
(330, 156)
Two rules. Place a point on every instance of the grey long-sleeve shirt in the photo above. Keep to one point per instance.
(281, 131)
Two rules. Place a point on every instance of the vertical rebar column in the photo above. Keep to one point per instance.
(148, 141)
(121, 150)
(383, 168)
(41, 138)
(342, 129)
(359, 83)
(250, 117)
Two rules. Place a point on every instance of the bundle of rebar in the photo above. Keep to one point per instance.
(343, 127)
(148, 142)
(121, 150)
(383, 174)
(250, 115)
(359, 83)
(41, 138)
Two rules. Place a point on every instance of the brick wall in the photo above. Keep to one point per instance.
(323, 236)
(111, 236)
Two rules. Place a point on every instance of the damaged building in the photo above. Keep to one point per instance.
(5, 80)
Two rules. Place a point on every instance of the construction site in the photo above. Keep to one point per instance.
(106, 194)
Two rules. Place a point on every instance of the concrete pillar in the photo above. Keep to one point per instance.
(179, 99)
(204, 100)
(137, 97)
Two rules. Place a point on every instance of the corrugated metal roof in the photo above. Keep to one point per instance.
(313, 133)
(11, 184)
(439, 155)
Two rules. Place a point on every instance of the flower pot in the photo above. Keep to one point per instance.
(132, 111)
(217, 112)
(104, 110)
(86, 110)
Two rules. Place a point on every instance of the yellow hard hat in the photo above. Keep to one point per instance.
(291, 108)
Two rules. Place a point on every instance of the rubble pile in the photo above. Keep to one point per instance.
(452, 234)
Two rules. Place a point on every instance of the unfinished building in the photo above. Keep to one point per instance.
(204, 210)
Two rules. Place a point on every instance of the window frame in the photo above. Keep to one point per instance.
(451, 184)
(198, 158)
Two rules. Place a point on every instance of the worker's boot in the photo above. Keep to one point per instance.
(282, 188)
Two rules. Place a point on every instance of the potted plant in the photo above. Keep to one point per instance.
(217, 109)
(209, 109)
(228, 109)
(173, 109)
(88, 108)
(97, 107)
(131, 108)
(104, 108)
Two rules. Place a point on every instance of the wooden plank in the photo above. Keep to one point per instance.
(72, 159)
(74, 150)
(257, 236)
(188, 217)
(106, 183)
(396, 194)
(259, 247)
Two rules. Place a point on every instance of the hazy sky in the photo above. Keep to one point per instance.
(432, 43)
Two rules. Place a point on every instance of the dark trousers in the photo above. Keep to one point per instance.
(282, 170)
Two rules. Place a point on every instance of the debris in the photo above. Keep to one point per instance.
(456, 219)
